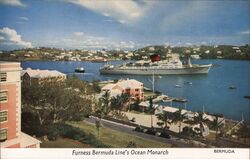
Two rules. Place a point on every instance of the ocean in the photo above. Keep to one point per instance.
(209, 92)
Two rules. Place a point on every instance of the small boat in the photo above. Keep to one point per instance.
(232, 87)
(247, 97)
(80, 70)
(181, 100)
(190, 83)
(177, 86)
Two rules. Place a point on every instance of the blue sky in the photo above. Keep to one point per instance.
(125, 24)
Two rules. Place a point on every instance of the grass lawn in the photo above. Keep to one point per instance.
(211, 136)
(115, 138)
(63, 143)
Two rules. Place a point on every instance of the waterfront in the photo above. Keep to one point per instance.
(209, 91)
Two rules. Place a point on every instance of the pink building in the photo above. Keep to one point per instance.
(10, 109)
(130, 86)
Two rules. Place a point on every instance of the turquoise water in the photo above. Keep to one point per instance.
(210, 91)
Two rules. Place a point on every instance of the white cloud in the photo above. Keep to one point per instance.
(124, 11)
(108, 20)
(11, 39)
(247, 32)
(78, 33)
(93, 42)
(23, 18)
(12, 3)
(1, 38)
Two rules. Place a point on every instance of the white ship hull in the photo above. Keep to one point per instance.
(200, 69)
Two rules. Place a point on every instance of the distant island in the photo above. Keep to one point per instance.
(55, 54)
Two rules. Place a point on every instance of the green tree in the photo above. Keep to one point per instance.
(131, 144)
(151, 110)
(105, 102)
(96, 87)
(179, 117)
(244, 131)
(55, 102)
(217, 125)
(118, 102)
(98, 126)
(200, 119)
(164, 117)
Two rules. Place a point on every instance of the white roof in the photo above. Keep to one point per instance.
(169, 109)
(24, 139)
(27, 140)
(108, 86)
(42, 73)
(173, 109)
(130, 83)
(144, 104)
(124, 84)
(212, 118)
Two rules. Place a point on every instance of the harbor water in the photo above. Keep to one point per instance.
(204, 92)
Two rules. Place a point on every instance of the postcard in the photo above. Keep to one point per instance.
(124, 79)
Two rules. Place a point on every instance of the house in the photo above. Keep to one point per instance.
(195, 56)
(11, 135)
(235, 48)
(207, 51)
(145, 105)
(30, 76)
(219, 52)
(130, 86)
(151, 48)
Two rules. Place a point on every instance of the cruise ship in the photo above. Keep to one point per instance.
(172, 65)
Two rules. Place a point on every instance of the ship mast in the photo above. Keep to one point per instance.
(153, 81)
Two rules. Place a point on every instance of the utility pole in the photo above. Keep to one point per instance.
(153, 81)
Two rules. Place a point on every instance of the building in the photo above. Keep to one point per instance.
(30, 76)
(10, 109)
(130, 86)
(195, 56)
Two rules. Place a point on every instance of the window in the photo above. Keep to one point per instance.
(127, 90)
(3, 96)
(136, 90)
(3, 134)
(3, 76)
(3, 116)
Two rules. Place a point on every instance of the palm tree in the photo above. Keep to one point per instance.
(216, 124)
(118, 102)
(125, 99)
(151, 110)
(98, 126)
(105, 100)
(200, 120)
(178, 117)
(165, 118)
(115, 103)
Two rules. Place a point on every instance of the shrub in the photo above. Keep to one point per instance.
(71, 132)
(131, 144)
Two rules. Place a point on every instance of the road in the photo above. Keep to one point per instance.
(129, 129)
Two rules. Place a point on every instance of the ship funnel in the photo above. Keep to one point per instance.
(155, 57)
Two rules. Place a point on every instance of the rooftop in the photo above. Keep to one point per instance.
(42, 73)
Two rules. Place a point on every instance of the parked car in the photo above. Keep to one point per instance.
(165, 135)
